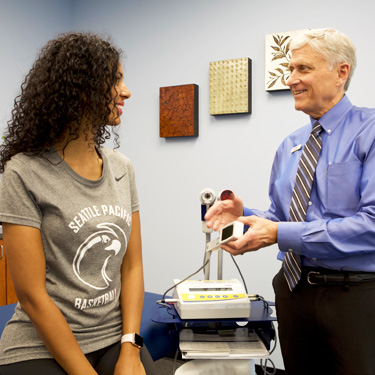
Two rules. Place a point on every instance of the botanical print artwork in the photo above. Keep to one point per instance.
(277, 60)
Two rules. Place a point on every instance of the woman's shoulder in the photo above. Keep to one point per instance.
(117, 161)
(115, 156)
(19, 162)
(26, 162)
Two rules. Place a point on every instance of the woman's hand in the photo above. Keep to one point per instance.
(129, 362)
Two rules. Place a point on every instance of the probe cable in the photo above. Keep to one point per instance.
(164, 302)
(239, 271)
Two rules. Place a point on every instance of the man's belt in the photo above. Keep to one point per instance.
(322, 277)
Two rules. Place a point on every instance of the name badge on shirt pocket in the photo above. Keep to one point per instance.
(296, 148)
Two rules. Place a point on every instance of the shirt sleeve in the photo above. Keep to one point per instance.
(17, 202)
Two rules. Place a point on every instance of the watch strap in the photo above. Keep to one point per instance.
(133, 338)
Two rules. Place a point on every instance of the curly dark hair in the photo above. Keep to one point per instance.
(71, 78)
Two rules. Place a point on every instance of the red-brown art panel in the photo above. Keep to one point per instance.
(179, 111)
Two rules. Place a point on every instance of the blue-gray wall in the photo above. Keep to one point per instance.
(24, 28)
(171, 42)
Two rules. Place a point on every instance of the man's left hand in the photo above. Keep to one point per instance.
(262, 233)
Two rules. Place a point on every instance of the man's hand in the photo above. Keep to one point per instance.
(224, 212)
(262, 233)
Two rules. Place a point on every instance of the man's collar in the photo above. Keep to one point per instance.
(333, 117)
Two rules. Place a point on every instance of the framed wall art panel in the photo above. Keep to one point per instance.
(179, 111)
(230, 86)
(277, 60)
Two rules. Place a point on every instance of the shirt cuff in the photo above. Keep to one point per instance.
(289, 235)
(247, 212)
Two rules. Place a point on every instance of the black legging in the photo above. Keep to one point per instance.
(103, 361)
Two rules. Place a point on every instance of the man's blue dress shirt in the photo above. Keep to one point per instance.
(339, 231)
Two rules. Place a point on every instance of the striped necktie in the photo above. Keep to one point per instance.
(300, 199)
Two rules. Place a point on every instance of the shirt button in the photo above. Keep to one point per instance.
(290, 250)
(310, 203)
(329, 131)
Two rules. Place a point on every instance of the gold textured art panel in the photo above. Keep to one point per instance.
(230, 86)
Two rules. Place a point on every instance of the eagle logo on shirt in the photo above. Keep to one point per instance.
(91, 261)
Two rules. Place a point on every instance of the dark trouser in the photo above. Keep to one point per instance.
(104, 362)
(326, 330)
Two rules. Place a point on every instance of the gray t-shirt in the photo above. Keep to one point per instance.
(85, 227)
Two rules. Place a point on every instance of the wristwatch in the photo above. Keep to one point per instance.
(133, 338)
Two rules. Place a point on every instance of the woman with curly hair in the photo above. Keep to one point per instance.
(70, 215)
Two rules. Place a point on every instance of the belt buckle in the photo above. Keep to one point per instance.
(308, 277)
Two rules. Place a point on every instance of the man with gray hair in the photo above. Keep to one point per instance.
(322, 216)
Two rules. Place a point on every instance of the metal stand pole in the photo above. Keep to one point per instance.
(207, 256)
(220, 264)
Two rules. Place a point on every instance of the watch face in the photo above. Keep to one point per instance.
(138, 340)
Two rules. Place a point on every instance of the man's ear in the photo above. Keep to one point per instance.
(343, 71)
